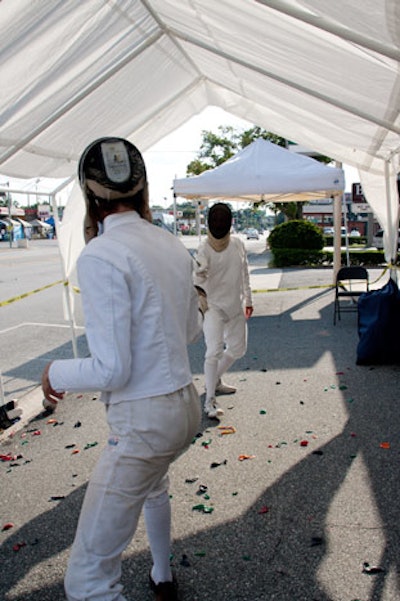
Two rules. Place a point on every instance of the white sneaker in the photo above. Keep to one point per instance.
(212, 410)
(222, 388)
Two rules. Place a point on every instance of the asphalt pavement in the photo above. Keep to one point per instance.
(302, 482)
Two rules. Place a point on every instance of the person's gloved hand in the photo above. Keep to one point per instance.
(248, 312)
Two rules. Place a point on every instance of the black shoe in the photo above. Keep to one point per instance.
(165, 591)
(5, 421)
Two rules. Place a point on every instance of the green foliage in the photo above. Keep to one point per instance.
(216, 148)
(296, 234)
(196, 167)
(353, 240)
(294, 257)
(250, 135)
(292, 210)
(367, 258)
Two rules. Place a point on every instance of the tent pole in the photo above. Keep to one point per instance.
(198, 220)
(344, 210)
(337, 223)
(392, 243)
(328, 100)
(175, 228)
(2, 393)
(326, 24)
(66, 287)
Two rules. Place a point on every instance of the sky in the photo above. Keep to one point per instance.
(169, 157)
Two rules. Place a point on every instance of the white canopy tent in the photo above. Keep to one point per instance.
(323, 74)
(264, 171)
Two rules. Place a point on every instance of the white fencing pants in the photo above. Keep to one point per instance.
(145, 437)
(226, 341)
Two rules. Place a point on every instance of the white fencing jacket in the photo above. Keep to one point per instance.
(224, 276)
(141, 312)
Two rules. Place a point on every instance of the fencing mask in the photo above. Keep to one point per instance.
(219, 220)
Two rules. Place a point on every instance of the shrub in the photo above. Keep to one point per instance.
(296, 234)
(353, 240)
(291, 257)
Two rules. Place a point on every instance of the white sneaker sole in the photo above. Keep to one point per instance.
(215, 414)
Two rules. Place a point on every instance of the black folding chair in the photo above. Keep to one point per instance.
(351, 282)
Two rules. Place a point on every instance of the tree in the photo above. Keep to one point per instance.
(216, 148)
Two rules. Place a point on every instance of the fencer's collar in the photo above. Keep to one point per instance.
(218, 244)
(117, 219)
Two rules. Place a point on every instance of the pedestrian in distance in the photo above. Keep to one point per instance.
(222, 271)
(141, 311)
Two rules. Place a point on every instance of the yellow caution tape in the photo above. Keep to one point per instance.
(295, 288)
(26, 294)
(256, 291)
(73, 288)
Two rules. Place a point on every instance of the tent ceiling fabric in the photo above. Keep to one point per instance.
(264, 171)
(323, 74)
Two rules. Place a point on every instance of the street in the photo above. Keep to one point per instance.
(33, 329)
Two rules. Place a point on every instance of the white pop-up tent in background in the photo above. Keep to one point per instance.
(264, 171)
(323, 74)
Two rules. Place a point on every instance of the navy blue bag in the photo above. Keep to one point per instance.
(379, 326)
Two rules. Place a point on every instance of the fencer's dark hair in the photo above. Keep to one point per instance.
(134, 202)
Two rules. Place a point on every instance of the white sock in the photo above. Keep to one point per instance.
(157, 515)
(210, 377)
(224, 364)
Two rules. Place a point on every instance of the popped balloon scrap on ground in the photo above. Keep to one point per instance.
(216, 447)
(14, 459)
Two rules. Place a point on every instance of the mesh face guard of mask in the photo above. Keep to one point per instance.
(219, 220)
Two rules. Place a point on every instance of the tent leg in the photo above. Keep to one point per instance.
(392, 242)
(337, 223)
(347, 233)
(2, 393)
(175, 228)
(70, 319)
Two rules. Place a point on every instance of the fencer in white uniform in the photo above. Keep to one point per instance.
(222, 271)
(141, 312)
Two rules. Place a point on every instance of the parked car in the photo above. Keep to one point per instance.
(330, 231)
(355, 233)
(252, 233)
(377, 240)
